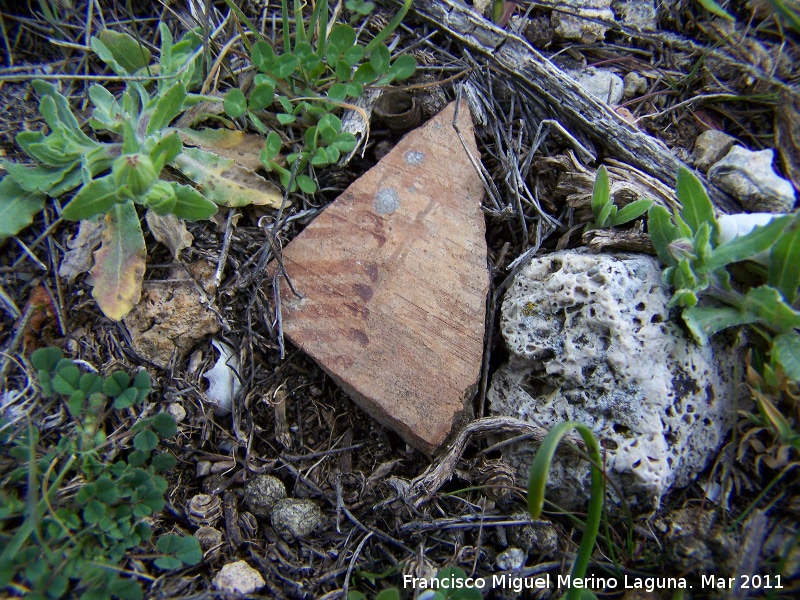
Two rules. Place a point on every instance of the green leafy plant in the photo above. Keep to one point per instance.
(697, 258)
(69, 513)
(536, 488)
(606, 213)
(319, 68)
(112, 177)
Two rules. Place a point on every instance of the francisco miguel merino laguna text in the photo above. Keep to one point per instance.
(517, 584)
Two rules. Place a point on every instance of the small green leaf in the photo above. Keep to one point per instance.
(286, 104)
(90, 384)
(263, 56)
(234, 104)
(45, 359)
(379, 59)
(365, 74)
(145, 441)
(345, 142)
(126, 399)
(402, 68)
(306, 184)
(261, 96)
(164, 424)
(142, 384)
(337, 92)
(388, 594)
(168, 563)
(67, 380)
(697, 207)
(274, 144)
(137, 458)
(632, 211)
(95, 198)
(285, 65)
(342, 36)
(163, 462)
(355, 89)
(185, 548)
(116, 383)
(285, 119)
(352, 56)
(191, 205)
(601, 198)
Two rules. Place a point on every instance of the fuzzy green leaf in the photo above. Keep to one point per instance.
(120, 262)
(697, 207)
(36, 178)
(747, 246)
(166, 150)
(63, 109)
(703, 322)
(95, 198)
(169, 106)
(784, 261)
(191, 204)
(662, 233)
(17, 207)
(163, 462)
(128, 52)
(787, 346)
(765, 303)
(632, 211)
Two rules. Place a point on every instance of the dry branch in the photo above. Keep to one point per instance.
(560, 96)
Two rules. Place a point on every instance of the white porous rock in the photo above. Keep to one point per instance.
(749, 176)
(238, 578)
(583, 20)
(591, 341)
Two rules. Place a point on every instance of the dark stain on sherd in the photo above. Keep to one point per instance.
(372, 271)
(359, 336)
(363, 291)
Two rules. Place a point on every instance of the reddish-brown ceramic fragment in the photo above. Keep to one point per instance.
(394, 280)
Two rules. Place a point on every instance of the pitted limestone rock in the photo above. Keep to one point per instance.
(591, 340)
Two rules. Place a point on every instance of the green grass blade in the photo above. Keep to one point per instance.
(538, 480)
